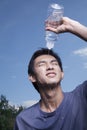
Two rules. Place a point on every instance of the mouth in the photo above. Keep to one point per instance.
(51, 74)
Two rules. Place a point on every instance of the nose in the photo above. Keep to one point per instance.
(49, 66)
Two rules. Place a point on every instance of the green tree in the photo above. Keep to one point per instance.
(8, 114)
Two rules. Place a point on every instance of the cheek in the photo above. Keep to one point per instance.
(40, 76)
(40, 72)
(58, 69)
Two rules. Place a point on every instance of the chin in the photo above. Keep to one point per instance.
(53, 84)
(47, 85)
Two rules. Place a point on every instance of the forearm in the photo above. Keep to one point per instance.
(69, 25)
(78, 29)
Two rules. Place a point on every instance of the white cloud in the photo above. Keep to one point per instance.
(29, 103)
(81, 52)
(13, 104)
(25, 104)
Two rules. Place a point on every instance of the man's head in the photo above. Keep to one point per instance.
(42, 64)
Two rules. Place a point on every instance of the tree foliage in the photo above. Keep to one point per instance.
(8, 114)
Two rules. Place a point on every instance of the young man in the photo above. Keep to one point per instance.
(56, 110)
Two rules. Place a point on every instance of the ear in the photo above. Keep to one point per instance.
(62, 75)
(32, 78)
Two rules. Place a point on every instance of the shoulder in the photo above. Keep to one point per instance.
(82, 86)
(26, 117)
(28, 112)
(81, 90)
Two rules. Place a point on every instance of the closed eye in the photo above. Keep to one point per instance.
(54, 62)
(41, 63)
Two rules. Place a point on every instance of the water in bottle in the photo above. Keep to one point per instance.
(55, 14)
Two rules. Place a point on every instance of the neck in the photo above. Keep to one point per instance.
(51, 98)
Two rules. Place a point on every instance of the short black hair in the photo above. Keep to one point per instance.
(42, 51)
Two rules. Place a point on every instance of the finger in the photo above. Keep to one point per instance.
(52, 29)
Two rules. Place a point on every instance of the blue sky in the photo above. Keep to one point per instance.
(22, 32)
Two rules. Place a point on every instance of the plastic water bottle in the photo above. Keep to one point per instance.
(55, 13)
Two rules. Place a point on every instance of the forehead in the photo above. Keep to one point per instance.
(44, 58)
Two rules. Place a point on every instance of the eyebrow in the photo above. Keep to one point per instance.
(54, 60)
(39, 62)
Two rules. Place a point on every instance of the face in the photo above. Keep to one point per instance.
(47, 70)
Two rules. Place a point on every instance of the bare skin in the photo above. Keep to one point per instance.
(69, 25)
(49, 75)
(51, 99)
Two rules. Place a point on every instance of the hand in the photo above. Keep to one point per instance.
(63, 26)
(68, 25)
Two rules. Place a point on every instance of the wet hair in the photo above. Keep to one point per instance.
(42, 51)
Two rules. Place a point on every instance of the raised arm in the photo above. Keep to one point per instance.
(69, 25)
